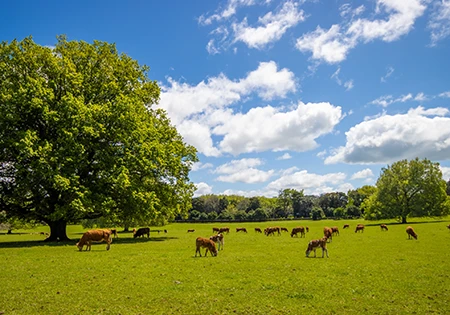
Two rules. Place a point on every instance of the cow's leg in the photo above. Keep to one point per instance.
(198, 250)
(324, 250)
(314, 252)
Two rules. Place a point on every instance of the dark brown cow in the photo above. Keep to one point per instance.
(215, 229)
(218, 238)
(328, 233)
(384, 227)
(225, 229)
(241, 230)
(411, 233)
(346, 226)
(142, 232)
(205, 243)
(335, 230)
(307, 229)
(360, 227)
(258, 230)
(191, 231)
(298, 229)
(283, 229)
(95, 236)
(114, 232)
(271, 230)
(314, 244)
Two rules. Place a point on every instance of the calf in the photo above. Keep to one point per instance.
(384, 227)
(142, 232)
(241, 230)
(298, 229)
(225, 229)
(335, 230)
(284, 229)
(205, 243)
(215, 229)
(313, 245)
(258, 230)
(346, 226)
(95, 236)
(410, 231)
(191, 231)
(328, 233)
(360, 227)
(218, 238)
(307, 229)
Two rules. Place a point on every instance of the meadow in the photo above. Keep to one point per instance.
(375, 272)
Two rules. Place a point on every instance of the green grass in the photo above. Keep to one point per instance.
(372, 272)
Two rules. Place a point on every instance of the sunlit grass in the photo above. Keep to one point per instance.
(372, 272)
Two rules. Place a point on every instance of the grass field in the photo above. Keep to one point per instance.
(372, 272)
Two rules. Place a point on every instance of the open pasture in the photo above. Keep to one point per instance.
(378, 272)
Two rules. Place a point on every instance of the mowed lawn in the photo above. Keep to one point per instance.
(372, 272)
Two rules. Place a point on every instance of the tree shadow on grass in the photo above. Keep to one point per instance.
(36, 243)
(408, 223)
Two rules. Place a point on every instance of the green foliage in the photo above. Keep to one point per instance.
(408, 188)
(317, 213)
(80, 138)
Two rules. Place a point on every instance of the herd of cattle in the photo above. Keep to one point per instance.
(105, 235)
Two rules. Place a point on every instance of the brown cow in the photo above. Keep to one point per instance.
(142, 232)
(410, 231)
(307, 229)
(241, 230)
(335, 230)
(314, 244)
(218, 238)
(360, 227)
(215, 229)
(284, 229)
(328, 233)
(346, 226)
(191, 231)
(258, 230)
(205, 243)
(225, 229)
(448, 226)
(271, 230)
(113, 232)
(95, 236)
(298, 229)
(384, 227)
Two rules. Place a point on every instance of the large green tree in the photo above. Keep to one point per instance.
(80, 138)
(408, 189)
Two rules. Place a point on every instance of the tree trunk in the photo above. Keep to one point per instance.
(57, 231)
(404, 220)
(126, 229)
(9, 231)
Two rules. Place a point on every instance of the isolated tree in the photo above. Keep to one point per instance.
(81, 139)
(409, 188)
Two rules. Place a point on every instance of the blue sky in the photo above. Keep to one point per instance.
(314, 95)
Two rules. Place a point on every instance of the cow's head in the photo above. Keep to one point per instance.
(80, 247)
(307, 252)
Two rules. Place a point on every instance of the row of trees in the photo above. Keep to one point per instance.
(81, 141)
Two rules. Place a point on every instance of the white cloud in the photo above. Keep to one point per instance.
(445, 94)
(243, 170)
(439, 23)
(268, 128)
(348, 85)
(445, 173)
(420, 97)
(387, 100)
(321, 154)
(365, 173)
(333, 45)
(390, 138)
(272, 26)
(226, 13)
(202, 189)
(389, 72)
(285, 156)
(211, 48)
(200, 166)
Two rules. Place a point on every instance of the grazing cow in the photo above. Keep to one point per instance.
(360, 227)
(284, 229)
(258, 230)
(335, 230)
(307, 229)
(241, 230)
(328, 233)
(191, 231)
(114, 232)
(215, 229)
(95, 236)
(410, 231)
(384, 227)
(271, 230)
(225, 229)
(346, 226)
(205, 243)
(218, 238)
(313, 245)
(141, 232)
(298, 229)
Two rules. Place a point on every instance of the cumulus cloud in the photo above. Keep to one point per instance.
(423, 133)
(439, 23)
(269, 128)
(365, 173)
(285, 156)
(272, 26)
(244, 170)
(334, 44)
(202, 189)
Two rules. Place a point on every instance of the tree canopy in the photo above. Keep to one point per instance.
(408, 189)
(80, 138)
